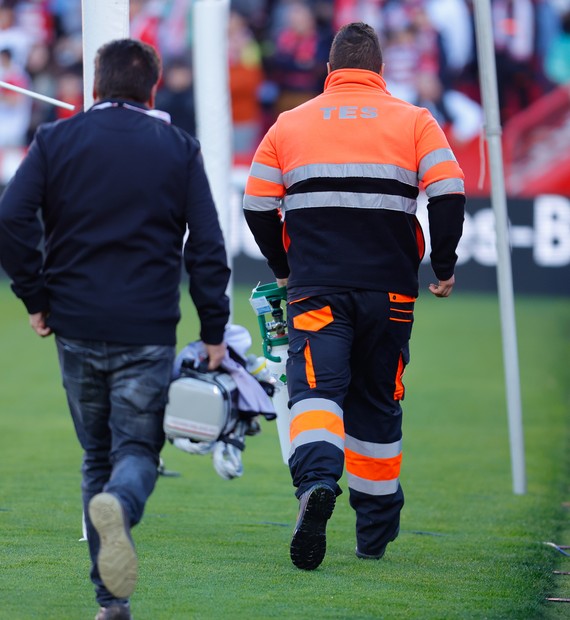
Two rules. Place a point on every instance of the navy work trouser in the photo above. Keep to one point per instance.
(347, 354)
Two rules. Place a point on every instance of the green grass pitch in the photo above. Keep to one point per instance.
(210, 548)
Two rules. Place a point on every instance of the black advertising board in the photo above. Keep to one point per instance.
(539, 232)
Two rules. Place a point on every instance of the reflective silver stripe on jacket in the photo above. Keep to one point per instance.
(445, 186)
(261, 203)
(370, 171)
(266, 173)
(372, 487)
(349, 199)
(432, 159)
(373, 450)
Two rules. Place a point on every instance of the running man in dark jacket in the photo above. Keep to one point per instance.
(331, 201)
(115, 189)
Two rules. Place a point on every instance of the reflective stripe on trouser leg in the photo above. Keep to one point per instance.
(373, 471)
(318, 374)
(372, 468)
(316, 419)
(317, 443)
(373, 417)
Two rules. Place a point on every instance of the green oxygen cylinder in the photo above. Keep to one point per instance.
(269, 302)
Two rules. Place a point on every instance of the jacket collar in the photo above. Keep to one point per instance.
(115, 102)
(131, 105)
(355, 77)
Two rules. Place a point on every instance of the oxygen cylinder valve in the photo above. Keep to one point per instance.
(266, 299)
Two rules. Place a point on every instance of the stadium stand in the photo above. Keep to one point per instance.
(537, 158)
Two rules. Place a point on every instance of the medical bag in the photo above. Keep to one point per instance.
(202, 405)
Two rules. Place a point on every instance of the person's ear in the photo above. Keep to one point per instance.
(152, 97)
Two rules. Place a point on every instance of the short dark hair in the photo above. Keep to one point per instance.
(126, 69)
(356, 46)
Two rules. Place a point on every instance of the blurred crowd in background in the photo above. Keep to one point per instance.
(278, 51)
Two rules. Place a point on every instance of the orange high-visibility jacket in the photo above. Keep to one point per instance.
(342, 173)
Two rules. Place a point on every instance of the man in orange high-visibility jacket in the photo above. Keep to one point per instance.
(331, 202)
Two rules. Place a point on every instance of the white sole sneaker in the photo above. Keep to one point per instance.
(117, 559)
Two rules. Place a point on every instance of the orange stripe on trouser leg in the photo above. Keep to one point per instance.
(309, 368)
(313, 320)
(396, 297)
(371, 468)
(317, 419)
(399, 390)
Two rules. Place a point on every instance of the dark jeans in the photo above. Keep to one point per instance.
(116, 395)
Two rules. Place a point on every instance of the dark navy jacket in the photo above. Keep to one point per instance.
(114, 188)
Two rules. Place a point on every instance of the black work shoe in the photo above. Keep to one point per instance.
(309, 542)
(114, 612)
(366, 556)
(373, 556)
(117, 560)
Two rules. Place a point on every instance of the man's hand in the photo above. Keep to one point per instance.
(281, 281)
(216, 353)
(38, 324)
(444, 288)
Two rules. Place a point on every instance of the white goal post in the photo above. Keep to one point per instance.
(102, 21)
(106, 20)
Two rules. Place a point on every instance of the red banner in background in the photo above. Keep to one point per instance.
(535, 151)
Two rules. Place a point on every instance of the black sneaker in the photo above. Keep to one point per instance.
(117, 560)
(309, 542)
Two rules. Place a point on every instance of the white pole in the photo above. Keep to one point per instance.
(103, 21)
(213, 105)
(488, 83)
(29, 93)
